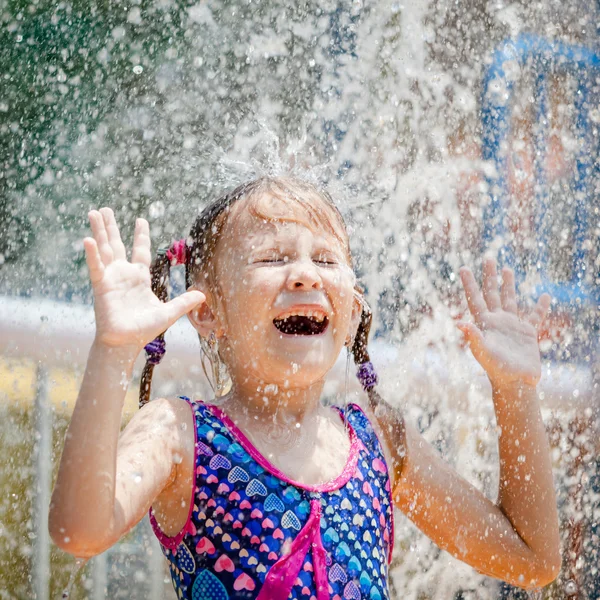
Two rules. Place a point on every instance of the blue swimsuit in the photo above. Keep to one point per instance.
(252, 533)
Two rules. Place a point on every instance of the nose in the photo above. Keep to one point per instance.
(304, 275)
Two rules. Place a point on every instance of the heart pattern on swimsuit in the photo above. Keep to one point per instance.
(245, 519)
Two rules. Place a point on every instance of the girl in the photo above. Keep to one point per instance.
(269, 494)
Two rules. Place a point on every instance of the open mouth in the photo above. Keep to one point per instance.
(302, 324)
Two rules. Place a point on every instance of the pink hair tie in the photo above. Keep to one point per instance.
(177, 253)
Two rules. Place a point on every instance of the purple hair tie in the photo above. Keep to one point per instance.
(366, 375)
(155, 351)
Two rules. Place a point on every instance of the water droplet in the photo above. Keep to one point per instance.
(156, 210)
(570, 587)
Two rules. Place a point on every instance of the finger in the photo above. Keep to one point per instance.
(101, 237)
(141, 252)
(508, 292)
(114, 236)
(473, 337)
(93, 260)
(490, 285)
(474, 298)
(183, 304)
(540, 311)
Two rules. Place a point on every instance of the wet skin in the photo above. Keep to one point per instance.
(106, 484)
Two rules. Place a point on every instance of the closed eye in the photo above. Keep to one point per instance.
(326, 260)
(272, 260)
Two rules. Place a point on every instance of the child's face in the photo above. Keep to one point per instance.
(287, 302)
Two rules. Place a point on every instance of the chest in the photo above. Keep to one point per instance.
(249, 520)
(250, 527)
(312, 459)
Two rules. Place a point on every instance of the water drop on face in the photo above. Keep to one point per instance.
(124, 382)
(138, 69)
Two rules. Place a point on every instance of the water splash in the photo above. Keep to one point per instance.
(76, 568)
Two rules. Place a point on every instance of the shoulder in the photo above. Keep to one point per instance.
(169, 420)
(166, 411)
(381, 433)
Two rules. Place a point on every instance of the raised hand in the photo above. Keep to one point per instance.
(128, 313)
(505, 344)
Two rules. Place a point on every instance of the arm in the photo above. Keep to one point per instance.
(107, 482)
(104, 484)
(517, 539)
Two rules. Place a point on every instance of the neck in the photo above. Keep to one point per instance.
(264, 402)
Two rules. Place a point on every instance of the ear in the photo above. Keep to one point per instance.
(204, 318)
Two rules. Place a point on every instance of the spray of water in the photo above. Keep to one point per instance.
(78, 565)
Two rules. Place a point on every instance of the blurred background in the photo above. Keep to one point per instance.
(443, 128)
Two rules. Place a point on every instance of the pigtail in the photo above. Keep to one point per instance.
(390, 419)
(159, 272)
(365, 369)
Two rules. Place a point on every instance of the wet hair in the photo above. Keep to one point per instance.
(313, 207)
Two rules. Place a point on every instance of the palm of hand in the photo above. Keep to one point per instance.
(128, 313)
(125, 306)
(505, 344)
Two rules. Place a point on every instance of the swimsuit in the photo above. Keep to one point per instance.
(252, 533)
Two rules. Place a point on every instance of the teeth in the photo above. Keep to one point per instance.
(317, 316)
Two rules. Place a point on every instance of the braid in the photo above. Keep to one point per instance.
(366, 371)
(391, 419)
(159, 272)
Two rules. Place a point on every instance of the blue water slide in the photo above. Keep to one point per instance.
(543, 58)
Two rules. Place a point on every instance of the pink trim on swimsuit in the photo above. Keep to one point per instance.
(329, 486)
(163, 538)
